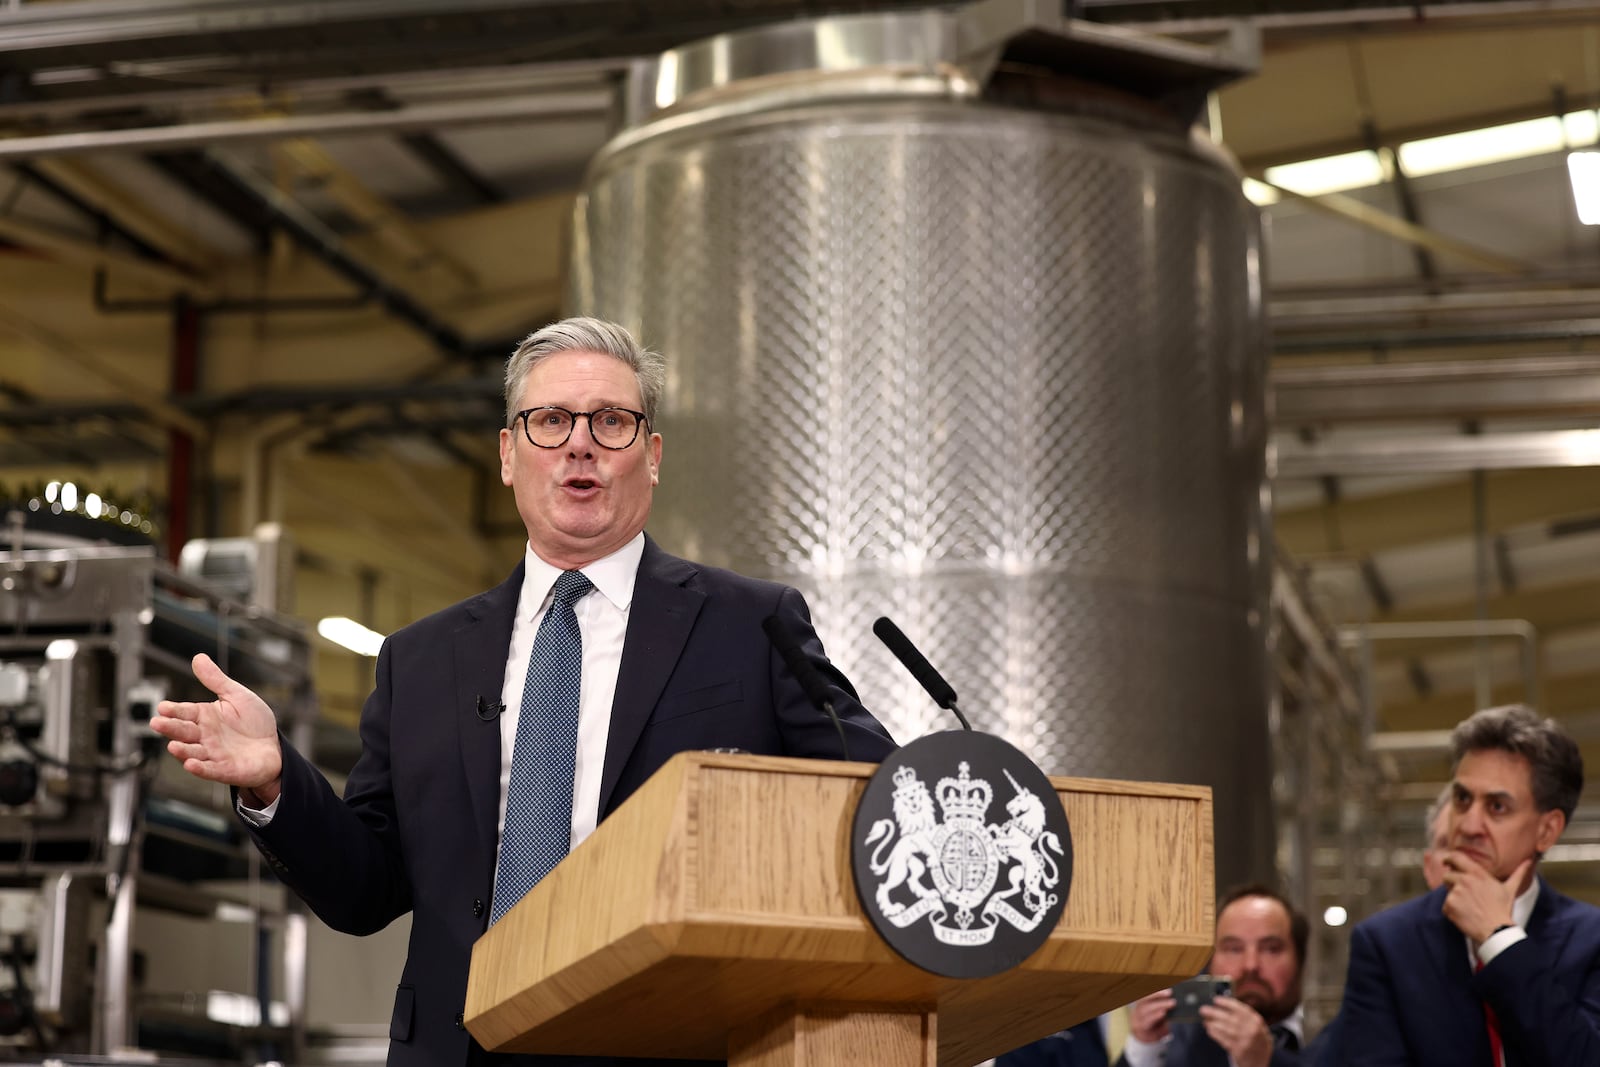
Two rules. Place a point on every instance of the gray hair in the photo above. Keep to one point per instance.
(1554, 762)
(1435, 810)
(585, 334)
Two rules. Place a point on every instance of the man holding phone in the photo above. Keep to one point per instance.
(1254, 1019)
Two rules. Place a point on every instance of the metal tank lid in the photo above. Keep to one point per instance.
(942, 52)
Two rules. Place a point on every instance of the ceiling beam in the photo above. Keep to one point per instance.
(89, 183)
(1256, 164)
(1563, 695)
(554, 105)
(159, 408)
(82, 253)
(1362, 214)
(443, 161)
(1417, 515)
(1463, 388)
(1573, 604)
(306, 160)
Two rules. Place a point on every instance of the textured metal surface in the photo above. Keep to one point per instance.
(994, 374)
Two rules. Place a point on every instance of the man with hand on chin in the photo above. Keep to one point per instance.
(1493, 968)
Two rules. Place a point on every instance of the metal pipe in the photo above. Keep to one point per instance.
(554, 105)
(185, 374)
(1426, 454)
(1338, 16)
(56, 27)
(1385, 375)
(1482, 669)
(1431, 337)
(312, 234)
(1363, 637)
(1287, 309)
(1455, 389)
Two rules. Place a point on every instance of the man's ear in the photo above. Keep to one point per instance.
(1551, 825)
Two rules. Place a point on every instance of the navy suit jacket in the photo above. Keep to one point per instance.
(1192, 1047)
(1412, 1000)
(1081, 1046)
(417, 829)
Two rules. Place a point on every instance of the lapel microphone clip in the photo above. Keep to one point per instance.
(489, 712)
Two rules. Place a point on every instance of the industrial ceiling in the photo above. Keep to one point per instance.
(262, 260)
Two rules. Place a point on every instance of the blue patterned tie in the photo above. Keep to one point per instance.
(538, 827)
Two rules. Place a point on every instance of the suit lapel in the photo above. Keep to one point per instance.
(480, 648)
(659, 620)
(1467, 1039)
(1547, 924)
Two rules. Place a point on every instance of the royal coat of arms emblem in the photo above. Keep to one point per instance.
(938, 862)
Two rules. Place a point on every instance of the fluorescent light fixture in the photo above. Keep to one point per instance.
(1584, 169)
(236, 1009)
(1475, 148)
(1260, 193)
(1439, 155)
(228, 912)
(1582, 127)
(1330, 174)
(351, 634)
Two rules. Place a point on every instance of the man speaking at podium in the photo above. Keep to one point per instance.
(502, 729)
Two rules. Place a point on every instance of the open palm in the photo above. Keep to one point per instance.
(233, 739)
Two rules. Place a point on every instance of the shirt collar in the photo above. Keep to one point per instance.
(1295, 1023)
(1522, 907)
(612, 575)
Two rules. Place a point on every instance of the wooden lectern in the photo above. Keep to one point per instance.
(714, 915)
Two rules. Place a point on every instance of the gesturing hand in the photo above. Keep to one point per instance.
(1478, 902)
(1239, 1030)
(233, 739)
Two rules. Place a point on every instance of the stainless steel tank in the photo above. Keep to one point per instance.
(964, 328)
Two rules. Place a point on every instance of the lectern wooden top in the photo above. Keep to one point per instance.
(722, 890)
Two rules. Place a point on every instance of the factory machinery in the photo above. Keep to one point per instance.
(104, 837)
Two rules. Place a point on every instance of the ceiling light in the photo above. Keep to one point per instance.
(350, 634)
(1330, 174)
(1584, 168)
(1260, 193)
(1335, 916)
(1439, 155)
(1476, 148)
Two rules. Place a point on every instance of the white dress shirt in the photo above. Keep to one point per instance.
(1494, 944)
(603, 622)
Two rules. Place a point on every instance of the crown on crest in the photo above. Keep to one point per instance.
(964, 796)
(904, 778)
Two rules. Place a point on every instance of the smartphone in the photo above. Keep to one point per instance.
(1191, 994)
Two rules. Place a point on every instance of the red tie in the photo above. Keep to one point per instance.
(1495, 1048)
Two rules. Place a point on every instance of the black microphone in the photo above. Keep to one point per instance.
(489, 712)
(805, 672)
(931, 680)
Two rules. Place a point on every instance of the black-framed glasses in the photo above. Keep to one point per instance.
(550, 426)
